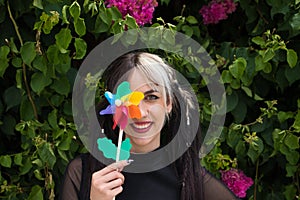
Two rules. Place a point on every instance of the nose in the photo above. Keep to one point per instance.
(144, 109)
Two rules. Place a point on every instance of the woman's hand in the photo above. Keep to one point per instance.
(107, 183)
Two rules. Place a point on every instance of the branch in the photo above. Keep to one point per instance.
(23, 65)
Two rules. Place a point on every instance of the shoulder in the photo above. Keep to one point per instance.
(215, 189)
(74, 169)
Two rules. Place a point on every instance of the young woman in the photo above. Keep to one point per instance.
(167, 124)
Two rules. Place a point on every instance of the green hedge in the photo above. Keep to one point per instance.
(42, 44)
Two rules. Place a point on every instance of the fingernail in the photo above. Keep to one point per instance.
(130, 161)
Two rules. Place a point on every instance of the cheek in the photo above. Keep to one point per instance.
(158, 112)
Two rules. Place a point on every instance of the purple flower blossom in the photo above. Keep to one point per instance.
(217, 10)
(236, 181)
(141, 10)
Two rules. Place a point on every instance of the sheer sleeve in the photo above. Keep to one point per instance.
(72, 180)
(214, 189)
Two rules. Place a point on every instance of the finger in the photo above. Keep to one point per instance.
(116, 191)
(113, 167)
(113, 184)
(112, 176)
(119, 166)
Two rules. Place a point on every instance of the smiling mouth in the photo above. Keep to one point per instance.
(141, 127)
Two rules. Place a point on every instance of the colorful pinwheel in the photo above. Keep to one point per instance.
(123, 104)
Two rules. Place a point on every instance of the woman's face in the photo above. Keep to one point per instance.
(144, 133)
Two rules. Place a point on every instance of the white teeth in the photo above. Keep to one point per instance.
(143, 126)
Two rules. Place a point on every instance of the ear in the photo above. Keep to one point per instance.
(169, 107)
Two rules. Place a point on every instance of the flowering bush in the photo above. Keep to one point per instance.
(237, 181)
(256, 54)
(141, 10)
(217, 10)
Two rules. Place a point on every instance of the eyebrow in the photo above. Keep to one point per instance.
(150, 92)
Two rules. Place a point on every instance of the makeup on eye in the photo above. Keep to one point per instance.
(151, 95)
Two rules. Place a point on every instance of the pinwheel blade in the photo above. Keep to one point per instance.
(110, 97)
(108, 110)
(135, 98)
(121, 117)
(123, 89)
(134, 112)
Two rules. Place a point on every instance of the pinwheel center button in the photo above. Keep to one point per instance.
(118, 102)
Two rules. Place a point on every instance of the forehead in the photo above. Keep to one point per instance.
(139, 81)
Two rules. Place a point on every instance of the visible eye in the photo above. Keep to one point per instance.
(151, 97)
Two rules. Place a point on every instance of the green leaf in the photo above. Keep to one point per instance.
(28, 52)
(4, 51)
(12, 97)
(39, 82)
(5, 161)
(169, 36)
(26, 110)
(115, 13)
(268, 55)
(290, 170)
(64, 64)
(63, 39)
(9, 123)
(295, 22)
(25, 168)
(80, 47)
(192, 20)
(255, 150)
(65, 143)
(40, 63)
(101, 26)
(38, 4)
(296, 124)
(75, 10)
(292, 157)
(292, 74)
(292, 57)
(282, 116)
(290, 192)
(80, 28)
(232, 101)
(130, 22)
(16, 62)
(187, 30)
(18, 159)
(61, 86)
(53, 54)
(259, 41)
(239, 112)
(226, 76)
(36, 193)
(52, 119)
(47, 155)
(292, 141)
(260, 64)
(238, 67)
(38, 175)
(64, 14)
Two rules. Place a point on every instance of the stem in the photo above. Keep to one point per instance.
(15, 24)
(119, 148)
(28, 92)
(119, 145)
(256, 181)
(23, 65)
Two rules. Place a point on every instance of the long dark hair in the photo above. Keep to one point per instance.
(187, 167)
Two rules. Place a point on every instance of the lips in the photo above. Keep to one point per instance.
(141, 127)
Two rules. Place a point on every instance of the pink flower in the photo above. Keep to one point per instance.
(217, 10)
(236, 181)
(141, 10)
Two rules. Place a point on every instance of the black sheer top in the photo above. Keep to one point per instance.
(157, 185)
